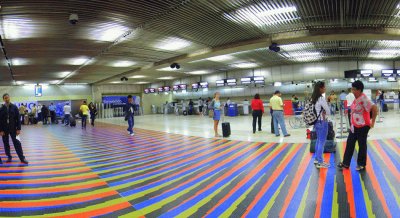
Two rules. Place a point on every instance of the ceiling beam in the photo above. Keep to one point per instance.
(281, 39)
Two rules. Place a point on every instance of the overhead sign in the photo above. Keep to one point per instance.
(167, 88)
(245, 80)
(220, 82)
(195, 86)
(259, 79)
(182, 86)
(175, 87)
(366, 73)
(231, 82)
(146, 91)
(152, 90)
(38, 91)
(387, 73)
(204, 85)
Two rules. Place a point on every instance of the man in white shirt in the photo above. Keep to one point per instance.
(350, 99)
(67, 113)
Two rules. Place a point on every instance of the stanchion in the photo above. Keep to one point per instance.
(379, 117)
(341, 129)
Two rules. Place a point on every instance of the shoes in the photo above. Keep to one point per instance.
(259, 130)
(277, 135)
(360, 168)
(322, 165)
(287, 135)
(24, 161)
(254, 132)
(9, 160)
(132, 134)
(315, 162)
(341, 166)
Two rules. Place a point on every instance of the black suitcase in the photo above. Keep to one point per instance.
(72, 122)
(385, 108)
(330, 146)
(226, 129)
(331, 132)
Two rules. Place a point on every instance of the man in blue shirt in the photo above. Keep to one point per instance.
(129, 112)
(52, 109)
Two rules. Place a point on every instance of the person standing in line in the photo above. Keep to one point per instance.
(276, 104)
(32, 115)
(52, 109)
(67, 113)
(191, 107)
(257, 107)
(22, 109)
(321, 125)
(93, 113)
(39, 112)
(361, 123)
(129, 110)
(342, 98)
(295, 102)
(349, 98)
(216, 107)
(200, 103)
(332, 99)
(10, 125)
(45, 112)
(84, 109)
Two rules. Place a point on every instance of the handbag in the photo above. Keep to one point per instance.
(211, 113)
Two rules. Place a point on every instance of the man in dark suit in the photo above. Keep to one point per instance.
(10, 125)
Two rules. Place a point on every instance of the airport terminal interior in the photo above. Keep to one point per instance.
(146, 108)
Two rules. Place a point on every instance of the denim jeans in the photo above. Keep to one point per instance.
(130, 124)
(333, 108)
(321, 128)
(66, 119)
(278, 119)
(84, 118)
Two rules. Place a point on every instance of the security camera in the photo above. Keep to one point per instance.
(73, 19)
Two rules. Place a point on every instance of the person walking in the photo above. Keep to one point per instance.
(93, 113)
(200, 103)
(67, 113)
(129, 110)
(84, 112)
(10, 125)
(321, 125)
(216, 107)
(276, 104)
(349, 98)
(332, 99)
(361, 123)
(257, 107)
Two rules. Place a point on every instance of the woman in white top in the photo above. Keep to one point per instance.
(321, 126)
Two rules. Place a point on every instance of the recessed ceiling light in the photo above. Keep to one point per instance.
(244, 65)
(172, 44)
(123, 64)
(137, 76)
(166, 78)
(116, 82)
(77, 61)
(220, 58)
(199, 72)
(64, 74)
(18, 28)
(384, 53)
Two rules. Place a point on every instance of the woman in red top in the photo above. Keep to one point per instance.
(258, 110)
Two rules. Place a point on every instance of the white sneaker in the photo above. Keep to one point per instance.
(315, 162)
(322, 165)
(132, 134)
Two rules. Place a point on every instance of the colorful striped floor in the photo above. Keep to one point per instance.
(103, 172)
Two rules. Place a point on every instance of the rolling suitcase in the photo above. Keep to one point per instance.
(26, 120)
(72, 122)
(330, 146)
(226, 129)
(384, 108)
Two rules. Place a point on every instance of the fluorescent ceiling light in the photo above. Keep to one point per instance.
(172, 44)
(54, 81)
(63, 74)
(220, 58)
(116, 82)
(297, 46)
(107, 32)
(314, 69)
(17, 28)
(166, 78)
(75, 84)
(19, 61)
(168, 69)
(20, 82)
(303, 56)
(142, 82)
(384, 53)
(199, 72)
(244, 65)
(77, 61)
(137, 76)
(123, 64)
(263, 14)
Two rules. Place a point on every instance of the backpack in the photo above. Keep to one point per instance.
(310, 114)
